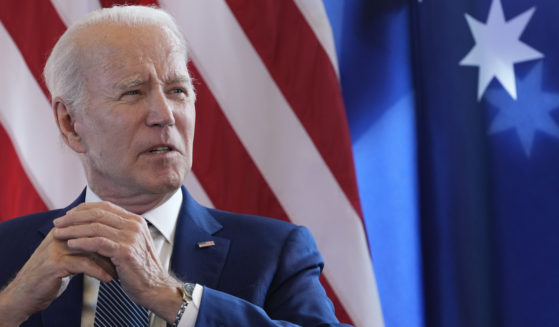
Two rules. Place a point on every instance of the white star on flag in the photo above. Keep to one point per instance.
(530, 113)
(498, 48)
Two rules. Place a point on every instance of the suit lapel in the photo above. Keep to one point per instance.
(45, 228)
(190, 262)
(66, 310)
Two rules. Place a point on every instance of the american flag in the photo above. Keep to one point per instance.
(271, 133)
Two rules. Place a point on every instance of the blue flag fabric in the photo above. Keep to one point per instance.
(373, 48)
(453, 109)
(488, 134)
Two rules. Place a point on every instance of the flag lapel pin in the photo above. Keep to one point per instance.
(206, 244)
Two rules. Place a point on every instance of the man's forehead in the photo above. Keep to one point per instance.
(107, 31)
(139, 80)
(116, 38)
(133, 55)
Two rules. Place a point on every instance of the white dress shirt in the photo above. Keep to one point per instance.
(163, 221)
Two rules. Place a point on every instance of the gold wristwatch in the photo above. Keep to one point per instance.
(186, 293)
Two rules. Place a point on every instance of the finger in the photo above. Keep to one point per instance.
(91, 215)
(111, 207)
(104, 263)
(78, 264)
(86, 230)
(99, 245)
(106, 206)
(59, 259)
(120, 254)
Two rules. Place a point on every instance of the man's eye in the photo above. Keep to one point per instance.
(178, 90)
(133, 92)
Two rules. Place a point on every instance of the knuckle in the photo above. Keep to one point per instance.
(102, 243)
(95, 213)
(109, 206)
(138, 219)
(106, 245)
(136, 227)
(127, 252)
(97, 228)
(100, 212)
(104, 204)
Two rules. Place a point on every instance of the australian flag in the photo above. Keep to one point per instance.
(454, 113)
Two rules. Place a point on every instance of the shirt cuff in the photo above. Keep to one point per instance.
(191, 312)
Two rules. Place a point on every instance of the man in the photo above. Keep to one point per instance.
(123, 101)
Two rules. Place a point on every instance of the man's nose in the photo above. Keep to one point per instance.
(160, 110)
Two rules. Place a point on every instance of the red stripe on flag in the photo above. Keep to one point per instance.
(17, 195)
(223, 166)
(341, 313)
(228, 174)
(35, 27)
(303, 72)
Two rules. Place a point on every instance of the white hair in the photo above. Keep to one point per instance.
(63, 73)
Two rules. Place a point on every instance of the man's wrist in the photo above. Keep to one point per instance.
(167, 300)
(10, 311)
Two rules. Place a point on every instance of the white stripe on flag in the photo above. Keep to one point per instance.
(197, 190)
(25, 113)
(316, 16)
(282, 150)
(72, 10)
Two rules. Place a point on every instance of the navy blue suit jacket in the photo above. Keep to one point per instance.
(261, 272)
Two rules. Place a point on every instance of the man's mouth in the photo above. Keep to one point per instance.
(160, 149)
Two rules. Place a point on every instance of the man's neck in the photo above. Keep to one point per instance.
(138, 203)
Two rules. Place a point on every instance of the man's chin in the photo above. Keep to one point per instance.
(164, 184)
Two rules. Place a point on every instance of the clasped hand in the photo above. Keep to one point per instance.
(100, 240)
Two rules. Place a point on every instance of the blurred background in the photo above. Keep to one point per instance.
(418, 140)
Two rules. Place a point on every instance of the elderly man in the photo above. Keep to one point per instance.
(135, 249)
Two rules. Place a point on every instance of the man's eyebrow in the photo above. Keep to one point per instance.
(133, 82)
(129, 83)
(182, 79)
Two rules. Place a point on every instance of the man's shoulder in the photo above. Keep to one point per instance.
(252, 223)
(263, 233)
(34, 220)
(39, 219)
(25, 232)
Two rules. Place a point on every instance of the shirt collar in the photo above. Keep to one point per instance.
(163, 217)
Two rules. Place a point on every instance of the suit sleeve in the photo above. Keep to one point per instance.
(295, 297)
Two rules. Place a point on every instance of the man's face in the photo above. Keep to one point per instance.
(137, 127)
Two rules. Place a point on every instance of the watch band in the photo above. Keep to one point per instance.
(186, 291)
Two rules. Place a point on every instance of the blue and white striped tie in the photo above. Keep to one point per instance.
(116, 309)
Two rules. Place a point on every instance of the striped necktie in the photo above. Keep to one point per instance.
(116, 309)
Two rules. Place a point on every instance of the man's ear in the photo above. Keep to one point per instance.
(66, 125)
